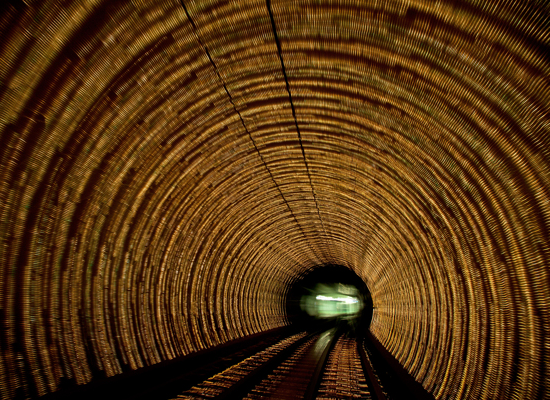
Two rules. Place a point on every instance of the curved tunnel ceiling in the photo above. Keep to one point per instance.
(170, 168)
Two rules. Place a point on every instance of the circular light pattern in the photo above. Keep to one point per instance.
(170, 168)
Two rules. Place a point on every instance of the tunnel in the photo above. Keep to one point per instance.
(171, 169)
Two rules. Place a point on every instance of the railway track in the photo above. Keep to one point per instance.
(323, 365)
(284, 363)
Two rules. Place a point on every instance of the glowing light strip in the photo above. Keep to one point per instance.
(348, 300)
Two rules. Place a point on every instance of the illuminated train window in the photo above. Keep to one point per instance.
(329, 292)
(326, 301)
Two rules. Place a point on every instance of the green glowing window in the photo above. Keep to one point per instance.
(332, 300)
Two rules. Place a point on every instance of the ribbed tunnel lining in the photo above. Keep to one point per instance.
(168, 169)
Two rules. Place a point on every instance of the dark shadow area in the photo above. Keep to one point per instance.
(329, 294)
(394, 380)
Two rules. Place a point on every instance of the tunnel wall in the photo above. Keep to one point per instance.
(168, 169)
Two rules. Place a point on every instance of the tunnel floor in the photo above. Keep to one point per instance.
(330, 360)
